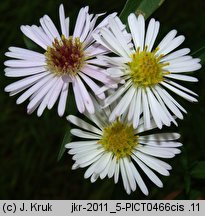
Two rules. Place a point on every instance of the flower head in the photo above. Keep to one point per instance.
(67, 59)
(148, 72)
(115, 149)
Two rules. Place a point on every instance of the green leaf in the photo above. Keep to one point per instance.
(148, 7)
(198, 171)
(187, 182)
(145, 7)
(200, 53)
(66, 139)
(72, 110)
(195, 194)
(30, 44)
(130, 7)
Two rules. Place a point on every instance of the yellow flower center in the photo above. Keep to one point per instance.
(145, 68)
(65, 56)
(119, 138)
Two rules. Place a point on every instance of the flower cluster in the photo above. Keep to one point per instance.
(122, 82)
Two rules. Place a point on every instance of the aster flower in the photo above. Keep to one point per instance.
(67, 59)
(115, 149)
(148, 72)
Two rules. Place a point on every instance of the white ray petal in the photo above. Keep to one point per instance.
(82, 124)
(92, 85)
(24, 63)
(46, 29)
(157, 152)
(25, 82)
(25, 54)
(34, 88)
(85, 96)
(123, 104)
(45, 100)
(118, 93)
(80, 22)
(134, 28)
(79, 144)
(139, 180)
(186, 68)
(173, 44)
(179, 92)
(94, 178)
(104, 173)
(171, 104)
(149, 33)
(164, 144)
(111, 170)
(28, 33)
(188, 63)
(41, 35)
(130, 175)
(172, 119)
(146, 111)
(50, 25)
(86, 29)
(132, 107)
(182, 77)
(83, 149)
(89, 162)
(124, 176)
(119, 36)
(20, 72)
(176, 54)
(166, 41)
(64, 28)
(113, 43)
(150, 174)
(102, 163)
(96, 73)
(117, 171)
(151, 162)
(84, 134)
(55, 94)
(67, 25)
(181, 87)
(176, 60)
(78, 97)
(157, 111)
(40, 95)
(138, 106)
(160, 137)
(156, 31)
(63, 99)
(141, 23)
(84, 158)
(90, 170)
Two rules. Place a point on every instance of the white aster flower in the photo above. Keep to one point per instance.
(117, 149)
(148, 72)
(67, 58)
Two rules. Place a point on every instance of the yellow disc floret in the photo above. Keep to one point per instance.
(145, 68)
(119, 138)
(66, 56)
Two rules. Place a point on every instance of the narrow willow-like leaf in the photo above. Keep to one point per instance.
(66, 139)
(202, 57)
(130, 7)
(148, 7)
(198, 170)
(200, 53)
(30, 44)
(145, 7)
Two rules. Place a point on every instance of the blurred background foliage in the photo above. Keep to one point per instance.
(29, 145)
